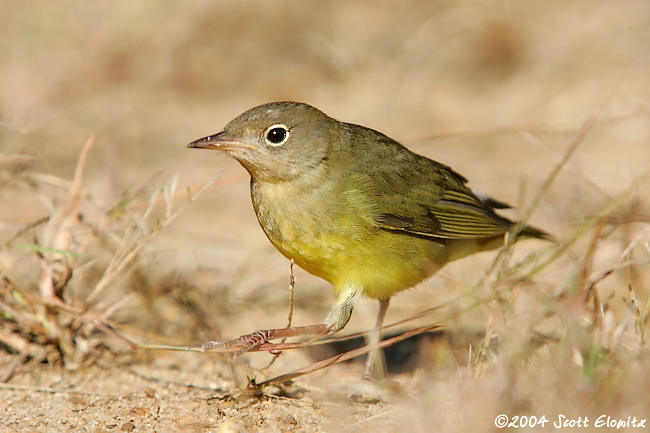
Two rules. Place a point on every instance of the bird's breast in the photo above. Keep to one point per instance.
(317, 226)
(331, 231)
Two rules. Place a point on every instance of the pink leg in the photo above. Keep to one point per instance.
(375, 336)
(247, 342)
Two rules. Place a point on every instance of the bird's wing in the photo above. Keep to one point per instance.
(414, 194)
(438, 206)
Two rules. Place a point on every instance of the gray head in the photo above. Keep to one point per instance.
(276, 141)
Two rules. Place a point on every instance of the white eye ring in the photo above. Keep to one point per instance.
(276, 135)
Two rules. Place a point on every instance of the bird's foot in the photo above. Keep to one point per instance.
(242, 344)
(255, 340)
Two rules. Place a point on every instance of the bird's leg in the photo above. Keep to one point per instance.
(341, 311)
(375, 357)
(337, 318)
(247, 342)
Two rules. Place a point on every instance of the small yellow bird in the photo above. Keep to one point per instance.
(353, 207)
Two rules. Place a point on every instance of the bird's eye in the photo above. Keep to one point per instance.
(276, 135)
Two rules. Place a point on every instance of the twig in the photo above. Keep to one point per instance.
(88, 316)
(349, 355)
(22, 345)
(292, 283)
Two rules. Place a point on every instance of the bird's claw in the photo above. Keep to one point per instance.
(244, 344)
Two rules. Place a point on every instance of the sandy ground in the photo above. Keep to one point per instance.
(497, 90)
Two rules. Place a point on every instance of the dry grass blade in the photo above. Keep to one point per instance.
(349, 355)
(25, 229)
(126, 202)
(47, 326)
(191, 194)
(140, 234)
(500, 262)
(55, 269)
(134, 240)
(14, 159)
(603, 215)
(543, 189)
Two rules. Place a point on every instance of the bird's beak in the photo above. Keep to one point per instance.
(220, 141)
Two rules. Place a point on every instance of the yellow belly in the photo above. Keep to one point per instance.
(343, 244)
(382, 265)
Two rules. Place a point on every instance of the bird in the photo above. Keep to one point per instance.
(354, 207)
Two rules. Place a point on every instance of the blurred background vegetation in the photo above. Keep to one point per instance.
(495, 89)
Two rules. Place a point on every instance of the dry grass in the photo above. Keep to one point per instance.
(544, 105)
